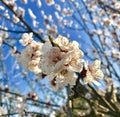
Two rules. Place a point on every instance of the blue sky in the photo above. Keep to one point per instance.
(49, 10)
(14, 77)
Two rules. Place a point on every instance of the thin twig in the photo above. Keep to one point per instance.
(28, 99)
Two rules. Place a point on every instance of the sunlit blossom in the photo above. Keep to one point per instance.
(1, 41)
(49, 2)
(3, 35)
(2, 111)
(15, 19)
(93, 72)
(58, 7)
(24, 1)
(30, 56)
(39, 3)
(61, 61)
(32, 15)
(67, 12)
(26, 39)
(21, 12)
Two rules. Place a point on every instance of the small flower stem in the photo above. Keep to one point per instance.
(69, 102)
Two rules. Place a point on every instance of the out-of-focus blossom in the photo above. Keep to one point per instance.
(49, 2)
(33, 96)
(1, 41)
(2, 111)
(93, 72)
(41, 31)
(52, 30)
(26, 39)
(76, 4)
(67, 12)
(108, 22)
(15, 19)
(24, 1)
(21, 12)
(3, 36)
(53, 114)
(109, 83)
(98, 32)
(6, 14)
(32, 15)
(30, 56)
(58, 7)
(88, 95)
(20, 106)
(39, 3)
(35, 23)
(115, 53)
(12, 4)
(14, 49)
(2, 8)
(71, 0)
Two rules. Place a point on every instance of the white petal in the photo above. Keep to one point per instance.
(98, 74)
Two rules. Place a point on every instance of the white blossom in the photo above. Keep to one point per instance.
(1, 41)
(12, 4)
(2, 8)
(76, 4)
(26, 39)
(39, 3)
(41, 31)
(35, 23)
(30, 56)
(15, 19)
(53, 114)
(58, 7)
(61, 61)
(67, 12)
(32, 15)
(93, 72)
(52, 29)
(62, 78)
(49, 2)
(3, 35)
(21, 11)
(57, 59)
(2, 111)
(6, 14)
(24, 1)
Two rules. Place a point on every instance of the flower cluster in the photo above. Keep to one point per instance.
(58, 59)
(30, 56)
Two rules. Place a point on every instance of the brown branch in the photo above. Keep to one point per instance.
(28, 99)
